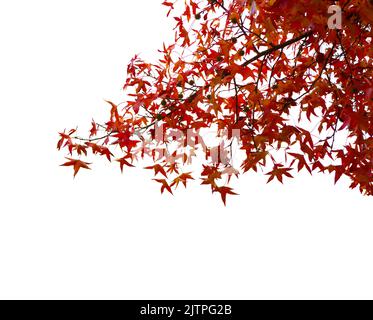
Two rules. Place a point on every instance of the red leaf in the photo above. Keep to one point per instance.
(224, 191)
(165, 185)
(157, 169)
(123, 162)
(278, 173)
(93, 130)
(77, 164)
(182, 179)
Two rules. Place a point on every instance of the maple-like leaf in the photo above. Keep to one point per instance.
(278, 173)
(183, 178)
(123, 162)
(65, 138)
(80, 149)
(173, 168)
(165, 185)
(157, 169)
(102, 150)
(224, 191)
(93, 130)
(76, 164)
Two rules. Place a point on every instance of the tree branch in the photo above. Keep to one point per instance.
(275, 48)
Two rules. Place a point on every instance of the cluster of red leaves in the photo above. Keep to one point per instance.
(300, 94)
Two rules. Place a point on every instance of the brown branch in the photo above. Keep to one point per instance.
(94, 139)
(275, 48)
(320, 74)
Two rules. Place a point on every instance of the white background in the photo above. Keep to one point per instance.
(110, 236)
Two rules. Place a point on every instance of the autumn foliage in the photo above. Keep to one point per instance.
(299, 93)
